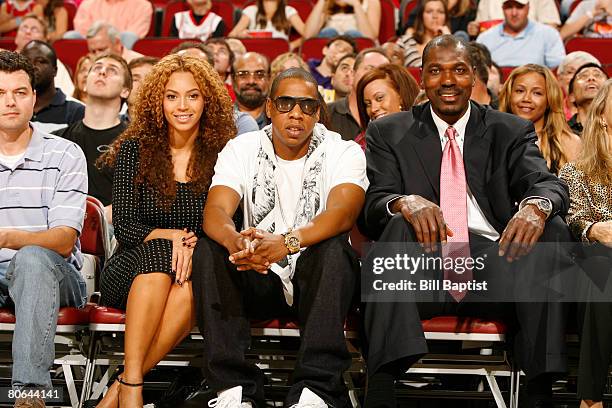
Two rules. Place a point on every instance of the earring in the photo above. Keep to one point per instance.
(604, 123)
(401, 108)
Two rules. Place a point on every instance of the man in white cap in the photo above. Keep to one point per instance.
(519, 41)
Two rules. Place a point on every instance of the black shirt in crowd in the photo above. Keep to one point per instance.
(94, 142)
(342, 121)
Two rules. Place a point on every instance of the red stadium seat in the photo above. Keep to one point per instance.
(170, 10)
(303, 7)
(506, 73)
(270, 47)
(387, 21)
(225, 9)
(416, 73)
(157, 47)
(71, 8)
(7, 43)
(69, 51)
(313, 47)
(409, 6)
(599, 47)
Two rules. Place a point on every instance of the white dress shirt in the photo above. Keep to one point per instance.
(477, 223)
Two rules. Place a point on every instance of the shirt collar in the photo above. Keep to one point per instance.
(34, 151)
(342, 106)
(58, 99)
(459, 126)
(522, 34)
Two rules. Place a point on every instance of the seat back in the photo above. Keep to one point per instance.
(303, 7)
(157, 47)
(71, 8)
(69, 51)
(387, 21)
(601, 48)
(8, 43)
(270, 47)
(225, 9)
(93, 236)
(170, 9)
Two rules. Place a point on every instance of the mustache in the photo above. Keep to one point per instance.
(249, 87)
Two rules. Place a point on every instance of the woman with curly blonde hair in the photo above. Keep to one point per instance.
(533, 93)
(163, 167)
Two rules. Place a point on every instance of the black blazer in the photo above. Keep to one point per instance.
(503, 164)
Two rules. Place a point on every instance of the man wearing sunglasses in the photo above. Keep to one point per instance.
(300, 188)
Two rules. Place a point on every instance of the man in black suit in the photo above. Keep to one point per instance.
(510, 197)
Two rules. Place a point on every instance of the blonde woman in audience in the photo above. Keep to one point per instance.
(432, 20)
(590, 219)
(286, 61)
(271, 18)
(80, 78)
(533, 93)
(353, 18)
(163, 167)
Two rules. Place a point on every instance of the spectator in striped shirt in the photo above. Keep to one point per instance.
(43, 187)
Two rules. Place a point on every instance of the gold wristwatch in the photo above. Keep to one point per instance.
(292, 242)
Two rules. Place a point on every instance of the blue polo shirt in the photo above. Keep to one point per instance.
(46, 188)
(536, 44)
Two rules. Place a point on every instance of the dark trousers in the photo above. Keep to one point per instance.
(324, 285)
(595, 329)
(394, 332)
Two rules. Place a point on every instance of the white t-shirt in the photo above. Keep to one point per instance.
(249, 166)
(251, 13)
(10, 161)
(289, 183)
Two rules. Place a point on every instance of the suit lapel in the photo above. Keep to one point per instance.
(427, 146)
(476, 156)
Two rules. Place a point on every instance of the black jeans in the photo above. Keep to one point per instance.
(324, 285)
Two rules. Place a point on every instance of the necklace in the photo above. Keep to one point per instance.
(297, 205)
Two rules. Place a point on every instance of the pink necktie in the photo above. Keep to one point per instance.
(453, 202)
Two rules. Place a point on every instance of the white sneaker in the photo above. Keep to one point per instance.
(309, 399)
(230, 398)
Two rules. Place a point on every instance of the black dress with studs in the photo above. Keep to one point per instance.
(135, 214)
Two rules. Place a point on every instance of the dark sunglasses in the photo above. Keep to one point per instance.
(286, 104)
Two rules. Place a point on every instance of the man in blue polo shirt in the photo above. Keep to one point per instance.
(43, 187)
(519, 41)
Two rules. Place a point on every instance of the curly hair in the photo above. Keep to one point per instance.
(150, 128)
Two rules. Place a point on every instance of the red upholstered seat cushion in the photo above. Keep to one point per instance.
(107, 315)
(454, 324)
(67, 315)
(274, 324)
(6, 315)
